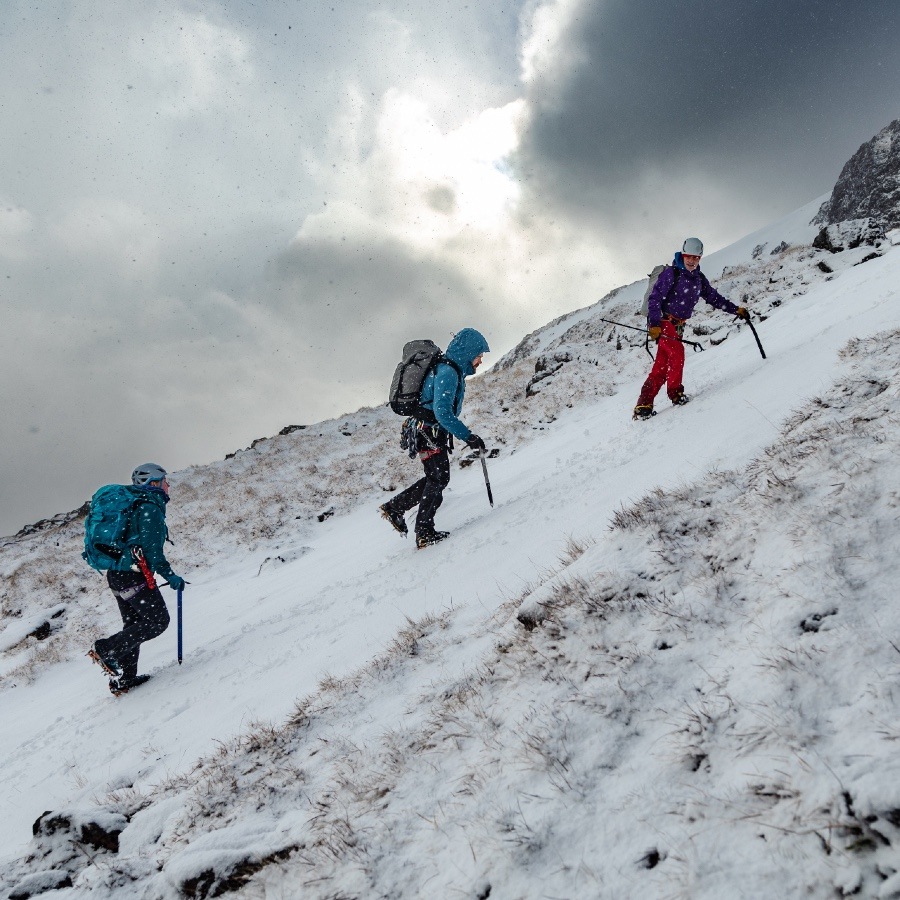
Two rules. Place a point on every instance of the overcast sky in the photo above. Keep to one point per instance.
(217, 219)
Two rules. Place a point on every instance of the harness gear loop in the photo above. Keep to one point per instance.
(422, 439)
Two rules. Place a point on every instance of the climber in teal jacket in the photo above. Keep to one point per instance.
(444, 388)
(141, 605)
(147, 530)
(442, 395)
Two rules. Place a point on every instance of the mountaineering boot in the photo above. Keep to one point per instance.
(679, 398)
(426, 539)
(398, 523)
(108, 663)
(643, 412)
(120, 686)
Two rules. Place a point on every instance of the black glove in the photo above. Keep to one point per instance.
(475, 442)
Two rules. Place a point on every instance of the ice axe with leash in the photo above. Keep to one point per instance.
(698, 347)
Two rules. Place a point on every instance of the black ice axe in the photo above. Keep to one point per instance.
(758, 344)
(487, 481)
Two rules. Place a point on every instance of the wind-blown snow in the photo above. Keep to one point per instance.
(695, 702)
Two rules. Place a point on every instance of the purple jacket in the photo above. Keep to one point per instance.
(690, 288)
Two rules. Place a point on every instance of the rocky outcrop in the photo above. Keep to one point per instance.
(544, 368)
(64, 844)
(55, 521)
(869, 184)
(849, 235)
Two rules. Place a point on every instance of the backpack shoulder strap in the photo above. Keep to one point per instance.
(137, 503)
(453, 365)
(665, 299)
(460, 377)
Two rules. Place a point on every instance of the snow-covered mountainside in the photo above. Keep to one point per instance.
(662, 665)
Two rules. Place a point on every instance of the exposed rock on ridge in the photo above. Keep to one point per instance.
(869, 183)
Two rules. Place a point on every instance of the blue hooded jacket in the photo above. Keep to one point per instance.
(690, 288)
(443, 389)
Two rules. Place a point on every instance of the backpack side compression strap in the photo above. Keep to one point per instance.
(665, 300)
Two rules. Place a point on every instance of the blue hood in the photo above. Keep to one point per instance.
(465, 346)
(156, 492)
(678, 262)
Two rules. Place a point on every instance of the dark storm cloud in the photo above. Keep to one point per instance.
(155, 156)
(768, 98)
(355, 303)
(366, 277)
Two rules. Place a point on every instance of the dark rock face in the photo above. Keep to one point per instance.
(869, 184)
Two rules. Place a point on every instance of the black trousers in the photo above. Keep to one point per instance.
(427, 492)
(144, 617)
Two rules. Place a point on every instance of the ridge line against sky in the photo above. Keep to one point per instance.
(216, 220)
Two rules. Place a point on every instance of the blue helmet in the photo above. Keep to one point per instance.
(147, 472)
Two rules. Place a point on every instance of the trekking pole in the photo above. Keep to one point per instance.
(487, 481)
(179, 627)
(758, 344)
(698, 348)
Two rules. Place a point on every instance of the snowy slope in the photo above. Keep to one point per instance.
(670, 707)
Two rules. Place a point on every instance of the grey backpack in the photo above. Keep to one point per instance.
(419, 358)
(654, 276)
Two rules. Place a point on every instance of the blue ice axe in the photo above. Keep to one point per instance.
(179, 627)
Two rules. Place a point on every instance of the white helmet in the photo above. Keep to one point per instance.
(693, 247)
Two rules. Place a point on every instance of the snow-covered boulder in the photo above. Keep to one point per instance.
(65, 843)
(39, 883)
(850, 235)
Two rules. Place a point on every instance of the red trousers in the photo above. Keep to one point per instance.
(668, 366)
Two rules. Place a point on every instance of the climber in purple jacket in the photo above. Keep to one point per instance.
(671, 303)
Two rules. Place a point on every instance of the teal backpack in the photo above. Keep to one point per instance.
(107, 523)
